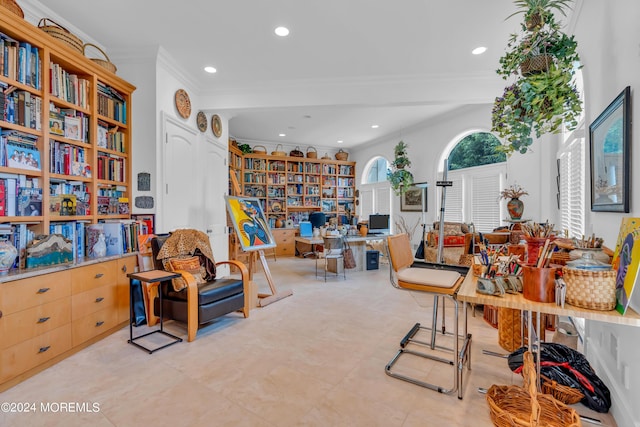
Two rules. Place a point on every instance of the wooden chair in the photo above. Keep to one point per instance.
(333, 250)
(417, 276)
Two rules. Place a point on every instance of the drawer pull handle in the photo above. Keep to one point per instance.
(43, 290)
(124, 268)
(99, 275)
(99, 299)
(99, 323)
(43, 349)
(43, 319)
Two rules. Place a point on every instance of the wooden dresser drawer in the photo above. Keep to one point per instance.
(93, 276)
(36, 351)
(93, 300)
(285, 238)
(29, 323)
(92, 325)
(26, 293)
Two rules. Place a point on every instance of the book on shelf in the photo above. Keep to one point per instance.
(56, 123)
(92, 233)
(23, 156)
(29, 201)
(72, 128)
(113, 233)
(62, 204)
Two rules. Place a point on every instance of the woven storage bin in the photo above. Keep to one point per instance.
(278, 151)
(565, 394)
(595, 290)
(342, 155)
(523, 406)
(259, 149)
(535, 64)
(509, 328)
(58, 32)
(13, 7)
(104, 63)
(296, 152)
(312, 153)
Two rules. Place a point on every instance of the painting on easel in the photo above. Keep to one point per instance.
(250, 223)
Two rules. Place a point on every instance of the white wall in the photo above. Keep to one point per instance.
(608, 38)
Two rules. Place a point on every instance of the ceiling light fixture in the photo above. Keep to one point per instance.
(374, 126)
(282, 31)
(340, 141)
(210, 69)
(282, 134)
(479, 50)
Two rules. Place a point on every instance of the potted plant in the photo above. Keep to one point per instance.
(514, 204)
(400, 178)
(542, 61)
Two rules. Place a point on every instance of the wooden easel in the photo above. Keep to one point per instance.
(263, 299)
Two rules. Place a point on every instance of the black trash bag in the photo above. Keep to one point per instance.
(570, 368)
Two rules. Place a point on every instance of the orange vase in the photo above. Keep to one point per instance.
(364, 230)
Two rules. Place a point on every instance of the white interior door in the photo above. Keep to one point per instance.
(179, 177)
(215, 186)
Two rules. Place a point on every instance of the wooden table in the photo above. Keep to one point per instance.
(358, 245)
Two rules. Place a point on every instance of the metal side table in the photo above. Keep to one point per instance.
(152, 277)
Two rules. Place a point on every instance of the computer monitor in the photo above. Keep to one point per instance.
(378, 223)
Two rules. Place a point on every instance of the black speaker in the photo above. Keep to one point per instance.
(372, 260)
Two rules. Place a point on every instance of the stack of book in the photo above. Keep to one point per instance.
(111, 104)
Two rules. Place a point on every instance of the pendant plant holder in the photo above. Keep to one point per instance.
(400, 178)
(541, 60)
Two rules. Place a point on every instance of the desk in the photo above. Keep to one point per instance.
(358, 246)
(153, 278)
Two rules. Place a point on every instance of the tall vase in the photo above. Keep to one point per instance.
(515, 208)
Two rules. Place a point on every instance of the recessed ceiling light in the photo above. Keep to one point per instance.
(210, 69)
(340, 141)
(282, 134)
(282, 31)
(479, 50)
(374, 126)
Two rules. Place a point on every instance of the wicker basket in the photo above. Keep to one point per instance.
(259, 149)
(563, 393)
(12, 7)
(278, 151)
(58, 32)
(312, 154)
(595, 290)
(535, 64)
(296, 152)
(104, 63)
(509, 328)
(523, 406)
(342, 155)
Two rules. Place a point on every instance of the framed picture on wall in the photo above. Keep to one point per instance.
(609, 138)
(414, 200)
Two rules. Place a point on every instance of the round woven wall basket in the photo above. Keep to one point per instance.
(104, 63)
(58, 32)
(13, 7)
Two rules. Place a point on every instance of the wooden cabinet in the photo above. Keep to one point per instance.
(58, 313)
(285, 239)
(72, 120)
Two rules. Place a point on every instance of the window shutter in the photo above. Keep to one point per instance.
(572, 187)
(485, 211)
(453, 202)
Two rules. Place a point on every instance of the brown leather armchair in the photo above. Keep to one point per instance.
(198, 304)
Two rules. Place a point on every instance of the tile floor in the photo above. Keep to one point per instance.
(315, 358)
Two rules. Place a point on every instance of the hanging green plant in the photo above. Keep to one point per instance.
(543, 97)
(400, 178)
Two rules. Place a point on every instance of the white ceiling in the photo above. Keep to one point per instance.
(348, 64)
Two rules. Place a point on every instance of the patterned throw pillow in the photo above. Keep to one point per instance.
(190, 265)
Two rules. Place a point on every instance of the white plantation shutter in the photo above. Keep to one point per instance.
(573, 186)
(383, 200)
(485, 210)
(454, 197)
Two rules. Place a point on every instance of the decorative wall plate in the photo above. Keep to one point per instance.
(201, 119)
(183, 103)
(216, 125)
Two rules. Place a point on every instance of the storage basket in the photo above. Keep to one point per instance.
(342, 155)
(563, 393)
(259, 149)
(13, 7)
(104, 63)
(523, 406)
(509, 328)
(278, 151)
(595, 290)
(58, 32)
(296, 152)
(312, 154)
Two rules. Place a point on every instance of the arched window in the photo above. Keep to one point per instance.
(477, 171)
(377, 171)
(375, 191)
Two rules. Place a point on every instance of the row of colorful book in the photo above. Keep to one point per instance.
(19, 196)
(20, 61)
(111, 167)
(111, 104)
(20, 107)
(110, 138)
(69, 87)
(19, 150)
(68, 159)
(68, 123)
